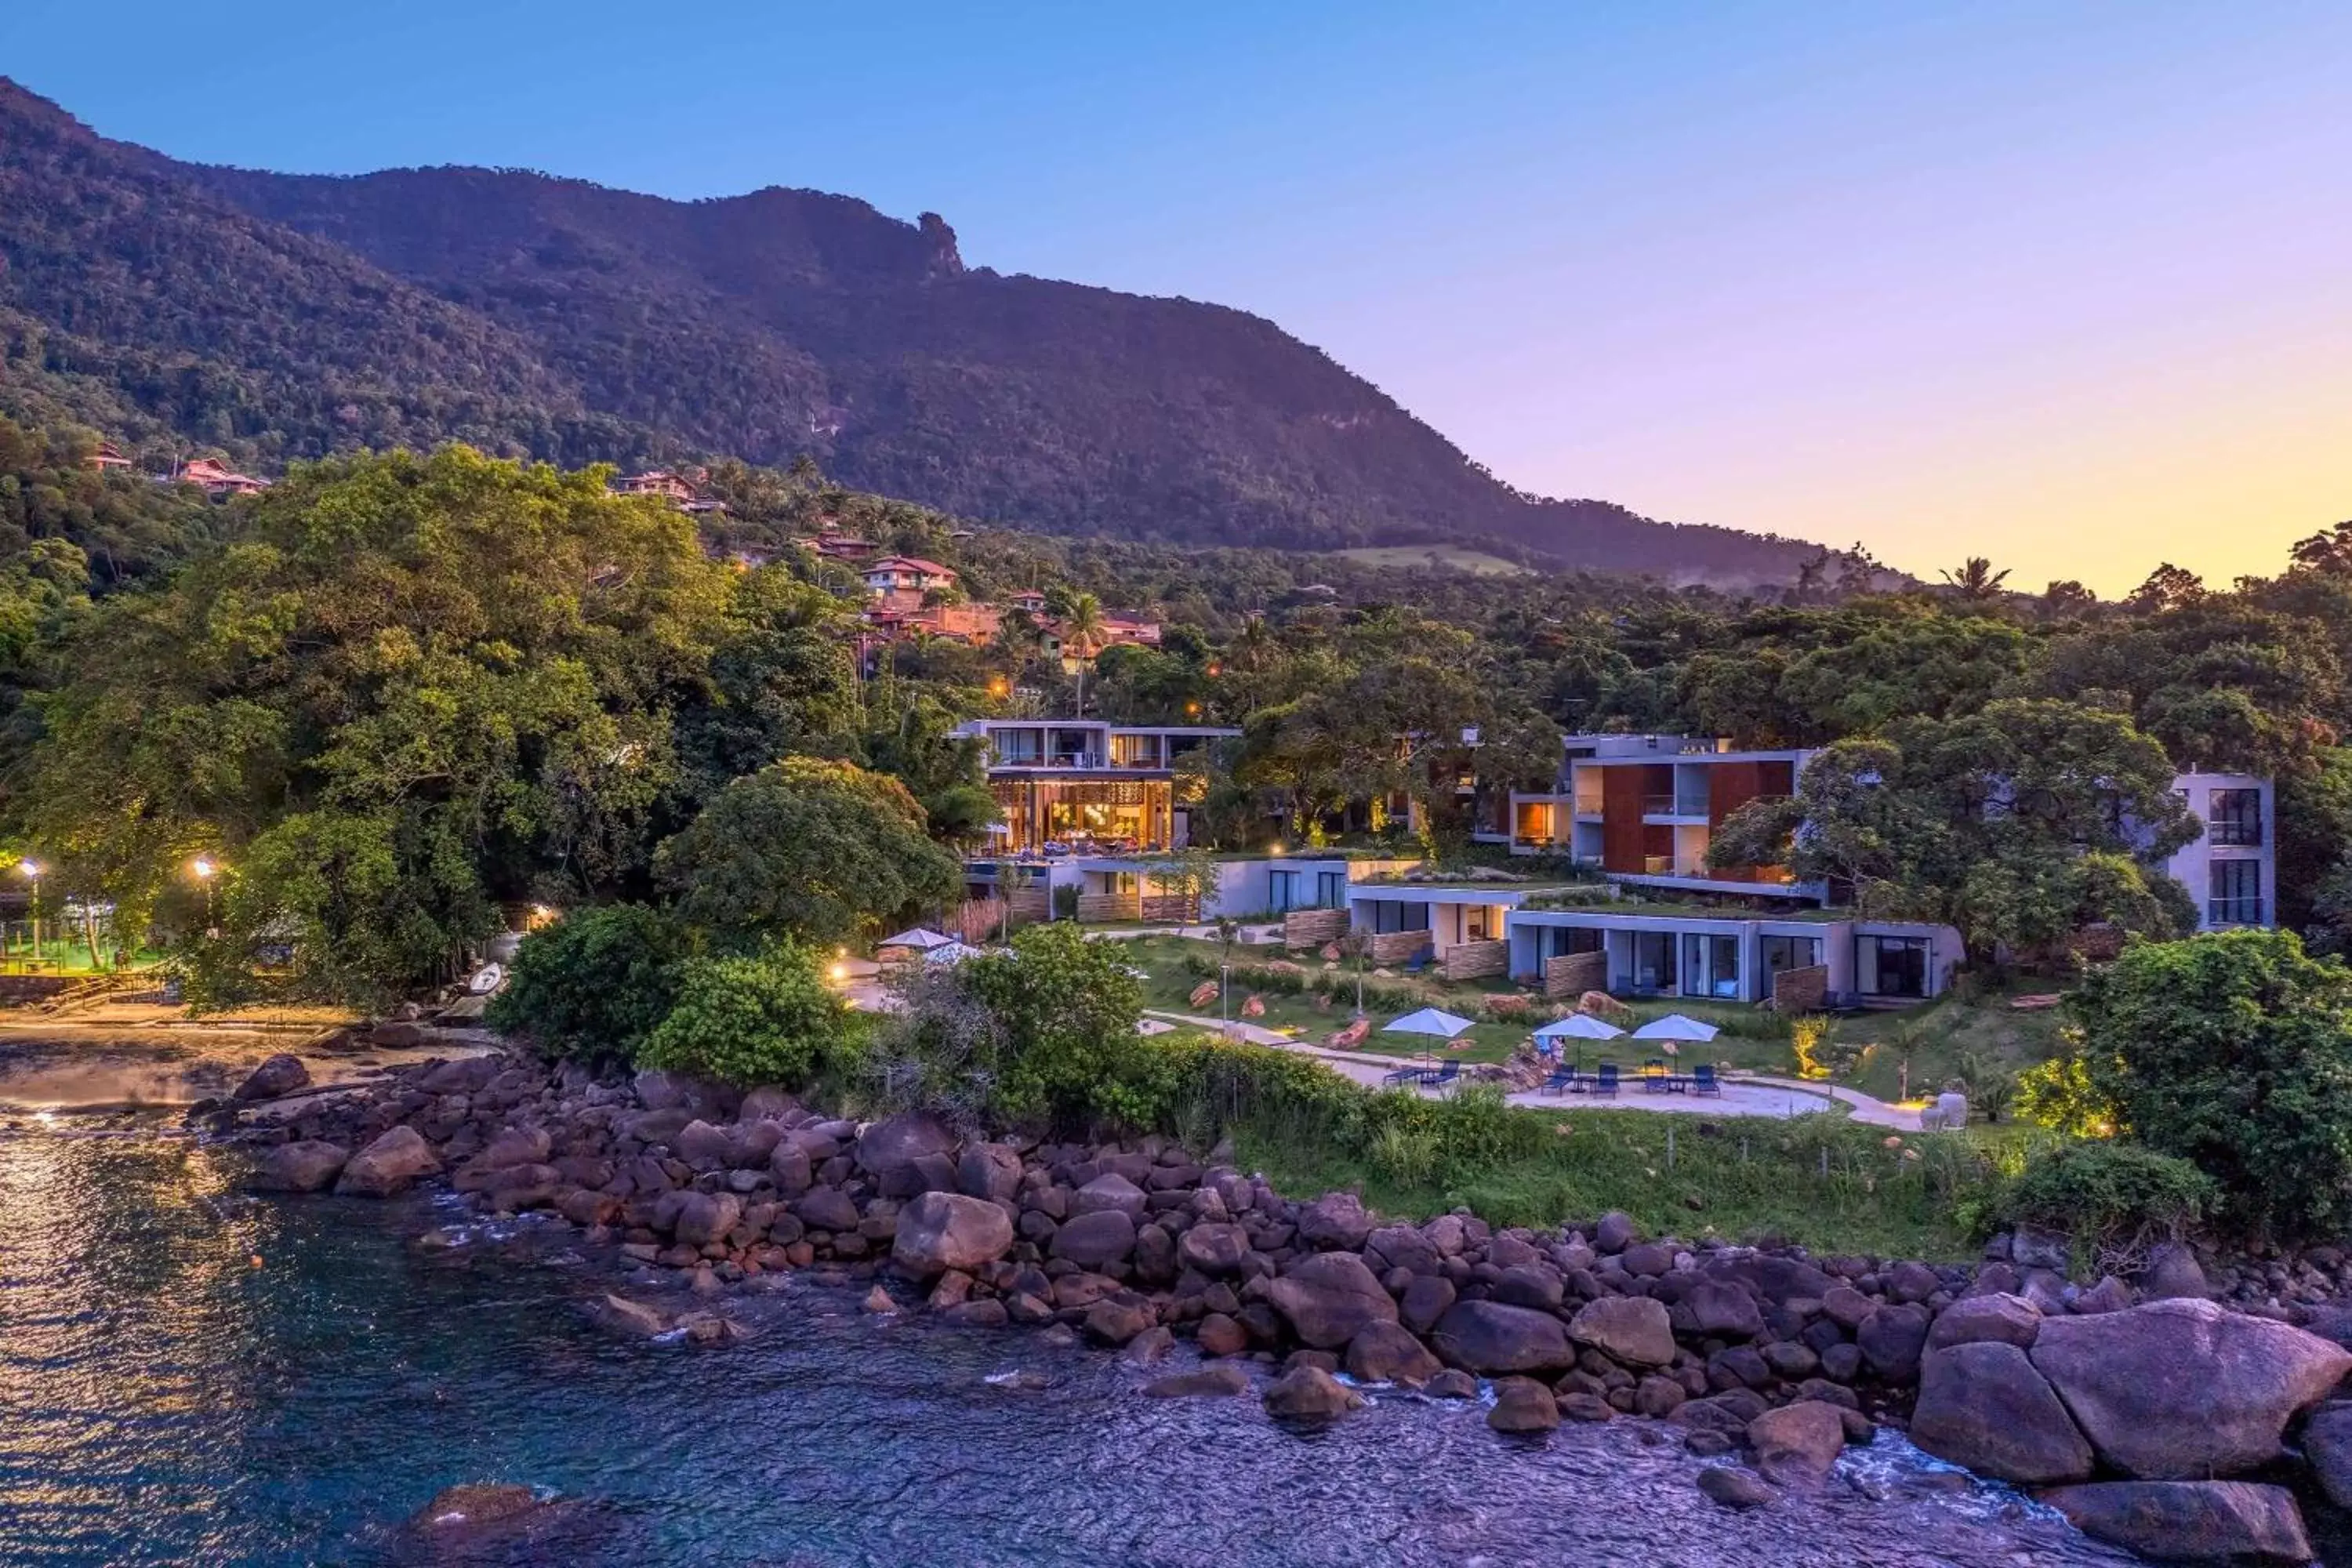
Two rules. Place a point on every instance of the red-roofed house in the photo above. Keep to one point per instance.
(907, 573)
(106, 455)
(219, 479)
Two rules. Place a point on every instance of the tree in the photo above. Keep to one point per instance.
(762, 1017)
(2233, 1051)
(1977, 580)
(2018, 824)
(1192, 877)
(1065, 1010)
(820, 850)
(595, 983)
(415, 688)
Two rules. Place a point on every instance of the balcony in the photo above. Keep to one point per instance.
(2234, 911)
(2234, 833)
(1668, 805)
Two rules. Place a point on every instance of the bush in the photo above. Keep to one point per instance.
(1065, 1011)
(2115, 1200)
(765, 1017)
(594, 984)
(2234, 1052)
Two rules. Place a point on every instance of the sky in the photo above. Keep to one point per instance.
(2067, 286)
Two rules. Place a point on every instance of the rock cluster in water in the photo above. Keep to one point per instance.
(2130, 1411)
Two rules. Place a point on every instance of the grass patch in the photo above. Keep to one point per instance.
(1822, 1181)
(1974, 1039)
(1446, 557)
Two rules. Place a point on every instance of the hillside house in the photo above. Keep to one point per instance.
(1083, 782)
(217, 479)
(907, 575)
(107, 455)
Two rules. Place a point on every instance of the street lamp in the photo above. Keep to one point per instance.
(204, 870)
(31, 870)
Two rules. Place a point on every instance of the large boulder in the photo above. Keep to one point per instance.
(1492, 1339)
(1523, 1405)
(2327, 1446)
(1721, 1311)
(704, 1217)
(659, 1090)
(1329, 1297)
(1335, 1221)
(2196, 1521)
(894, 1143)
(1891, 1339)
(1209, 1383)
(1213, 1248)
(309, 1166)
(1096, 1240)
(943, 1231)
(1111, 1193)
(1307, 1393)
(988, 1171)
(1634, 1330)
(1982, 1405)
(1387, 1353)
(281, 1074)
(2002, 1318)
(393, 1163)
(2181, 1390)
(1797, 1444)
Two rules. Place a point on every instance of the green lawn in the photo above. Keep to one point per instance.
(1830, 1183)
(1922, 1048)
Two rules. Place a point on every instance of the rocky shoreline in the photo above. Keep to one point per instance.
(2154, 1417)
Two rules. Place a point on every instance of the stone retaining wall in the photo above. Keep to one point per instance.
(1796, 991)
(1312, 928)
(1476, 959)
(1574, 974)
(1398, 946)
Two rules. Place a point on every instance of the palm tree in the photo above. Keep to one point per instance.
(1976, 579)
(1082, 634)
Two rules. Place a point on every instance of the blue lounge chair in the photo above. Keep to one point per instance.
(1653, 1076)
(1703, 1079)
(1605, 1081)
(1413, 1074)
(1441, 1076)
(1562, 1081)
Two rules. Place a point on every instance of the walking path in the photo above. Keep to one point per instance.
(1744, 1094)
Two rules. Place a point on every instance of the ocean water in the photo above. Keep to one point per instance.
(164, 1399)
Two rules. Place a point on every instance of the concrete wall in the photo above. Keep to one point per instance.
(2193, 867)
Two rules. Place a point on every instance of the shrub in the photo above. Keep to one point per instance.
(2115, 1200)
(1064, 1010)
(594, 984)
(758, 1018)
(2234, 1052)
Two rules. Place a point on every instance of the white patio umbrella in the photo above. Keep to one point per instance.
(921, 939)
(1428, 1021)
(1579, 1026)
(949, 951)
(1673, 1027)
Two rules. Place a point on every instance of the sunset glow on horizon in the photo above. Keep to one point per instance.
(2069, 287)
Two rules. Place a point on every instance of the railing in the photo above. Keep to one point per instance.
(1658, 865)
(1672, 806)
(2234, 833)
(2234, 911)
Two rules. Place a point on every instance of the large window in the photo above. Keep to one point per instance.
(1392, 915)
(2237, 893)
(1710, 966)
(1282, 888)
(1654, 961)
(1331, 889)
(1891, 965)
(1560, 941)
(2235, 817)
(1783, 954)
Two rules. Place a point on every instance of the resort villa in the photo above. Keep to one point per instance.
(1073, 785)
(1642, 809)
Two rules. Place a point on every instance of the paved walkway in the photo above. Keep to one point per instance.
(1744, 1094)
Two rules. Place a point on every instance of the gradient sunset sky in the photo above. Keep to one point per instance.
(2067, 286)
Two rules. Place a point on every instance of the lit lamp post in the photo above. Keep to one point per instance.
(202, 868)
(31, 870)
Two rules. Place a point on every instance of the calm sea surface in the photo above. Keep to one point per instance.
(163, 1400)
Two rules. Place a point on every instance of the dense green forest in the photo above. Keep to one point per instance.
(280, 317)
(402, 695)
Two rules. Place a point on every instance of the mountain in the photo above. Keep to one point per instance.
(283, 316)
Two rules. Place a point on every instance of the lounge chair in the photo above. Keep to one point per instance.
(1441, 1076)
(1413, 1074)
(1653, 1076)
(1703, 1079)
(1562, 1081)
(1604, 1080)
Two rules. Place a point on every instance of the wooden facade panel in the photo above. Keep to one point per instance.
(1622, 791)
